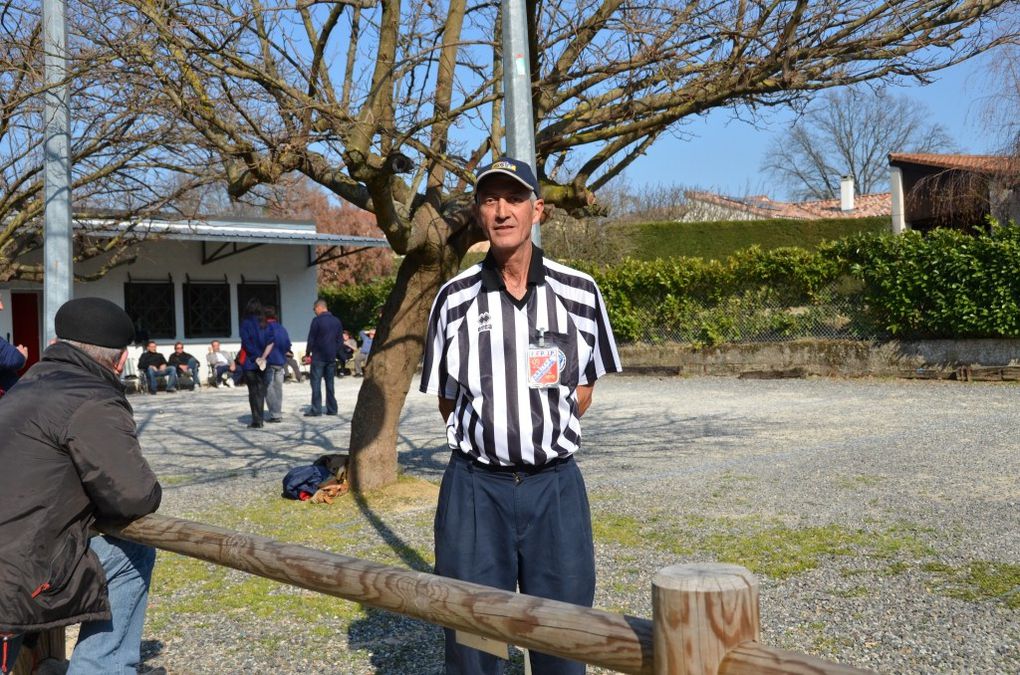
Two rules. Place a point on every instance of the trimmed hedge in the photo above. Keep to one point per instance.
(946, 284)
(719, 240)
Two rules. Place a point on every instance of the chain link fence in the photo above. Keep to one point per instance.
(755, 316)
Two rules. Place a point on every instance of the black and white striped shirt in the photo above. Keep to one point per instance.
(476, 354)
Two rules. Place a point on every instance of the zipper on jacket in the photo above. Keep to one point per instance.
(44, 586)
(4, 668)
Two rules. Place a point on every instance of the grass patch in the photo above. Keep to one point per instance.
(861, 480)
(769, 548)
(978, 580)
(719, 240)
(186, 586)
(170, 481)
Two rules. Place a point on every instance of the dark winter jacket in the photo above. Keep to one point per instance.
(178, 359)
(154, 359)
(324, 338)
(278, 335)
(69, 455)
(254, 340)
(11, 361)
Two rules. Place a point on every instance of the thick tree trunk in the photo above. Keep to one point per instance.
(393, 364)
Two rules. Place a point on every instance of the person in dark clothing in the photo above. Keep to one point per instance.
(70, 456)
(153, 366)
(255, 342)
(276, 363)
(185, 364)
(325, 336)
(12, 359)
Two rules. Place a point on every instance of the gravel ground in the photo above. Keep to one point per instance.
(922, 477)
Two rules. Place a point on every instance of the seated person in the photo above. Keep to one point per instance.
(361, 355)
(185, 364)
(346, 355)
(292, 366)
(153, 366)
(224, 368)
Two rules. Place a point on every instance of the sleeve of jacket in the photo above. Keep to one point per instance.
(283, 340)
(253, 338)
(103, 444)
(313, 335)
(10, 357)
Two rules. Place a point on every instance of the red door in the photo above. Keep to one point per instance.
(27, 320)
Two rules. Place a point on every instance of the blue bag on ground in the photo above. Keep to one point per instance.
(304, 479)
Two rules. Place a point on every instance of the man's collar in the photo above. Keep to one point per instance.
(493, 281)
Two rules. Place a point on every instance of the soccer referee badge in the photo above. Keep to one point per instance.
(544, 366)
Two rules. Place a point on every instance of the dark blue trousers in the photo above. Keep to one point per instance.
(505, 530)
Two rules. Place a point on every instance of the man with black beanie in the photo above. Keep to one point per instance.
(70, 456)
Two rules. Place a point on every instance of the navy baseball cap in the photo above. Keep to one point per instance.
(508, 166)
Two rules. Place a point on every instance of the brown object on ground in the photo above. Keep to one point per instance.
(326, 495)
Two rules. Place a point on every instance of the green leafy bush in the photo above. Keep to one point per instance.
(946, 284)
(719, 240)
(358, 305)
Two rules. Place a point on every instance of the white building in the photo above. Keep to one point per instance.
(191, 279)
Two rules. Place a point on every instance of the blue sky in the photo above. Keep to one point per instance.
(724, 154)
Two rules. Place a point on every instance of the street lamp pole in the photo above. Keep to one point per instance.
(520, 122)
(58, 271)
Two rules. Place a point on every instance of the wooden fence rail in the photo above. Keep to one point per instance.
(705, 616)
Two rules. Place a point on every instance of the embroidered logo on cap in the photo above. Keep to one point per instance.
(504, 165)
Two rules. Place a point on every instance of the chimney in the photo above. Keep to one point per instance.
(846, 193)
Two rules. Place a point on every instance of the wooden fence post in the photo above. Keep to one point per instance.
(50, 645)
(699, 612)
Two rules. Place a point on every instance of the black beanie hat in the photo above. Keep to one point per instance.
(94, 321)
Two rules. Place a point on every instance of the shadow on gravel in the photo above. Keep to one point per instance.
(403, 646)
(399, 645)
(404, 551)
(198, 457)
(150, 650)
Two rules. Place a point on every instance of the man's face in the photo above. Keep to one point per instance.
(215, 345)
(178, 348)
(151, 347)
(504, 210)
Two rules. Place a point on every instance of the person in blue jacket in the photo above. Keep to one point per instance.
(324, 339)
(276, 364)
(256, 345)
(12, 359)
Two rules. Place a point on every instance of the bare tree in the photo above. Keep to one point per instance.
(850, 132)
(1001, 107)
(122, 160)
(300, 198)
(391, 106)
(624, 203)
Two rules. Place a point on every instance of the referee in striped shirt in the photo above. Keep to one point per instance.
(514, 347)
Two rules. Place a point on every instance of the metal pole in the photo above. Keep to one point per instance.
(58, 273)
(520, 121)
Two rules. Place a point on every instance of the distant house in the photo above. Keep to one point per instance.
(190, 280)
(707, 206)
(930, 190)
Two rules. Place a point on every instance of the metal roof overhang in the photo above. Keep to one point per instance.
(222, 238)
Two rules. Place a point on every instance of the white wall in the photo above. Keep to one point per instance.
(157, 259)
